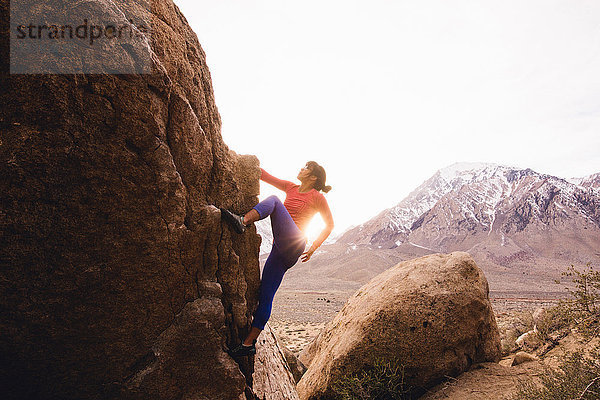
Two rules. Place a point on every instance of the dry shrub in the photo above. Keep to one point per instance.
(578, 377)
(383, 381)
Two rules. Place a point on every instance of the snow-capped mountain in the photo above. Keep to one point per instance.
(474, 198)
(591, 181)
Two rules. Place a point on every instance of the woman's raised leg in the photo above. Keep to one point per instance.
(285, 230)
(288, 245)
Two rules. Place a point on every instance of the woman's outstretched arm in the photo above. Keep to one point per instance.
(270, 179)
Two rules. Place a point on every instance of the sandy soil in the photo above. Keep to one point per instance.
(298, 315)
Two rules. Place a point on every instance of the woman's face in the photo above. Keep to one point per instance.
(304, 173)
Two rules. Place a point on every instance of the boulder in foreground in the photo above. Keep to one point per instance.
(431, 313)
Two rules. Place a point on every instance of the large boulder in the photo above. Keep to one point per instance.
(118, 278)
(431, 313)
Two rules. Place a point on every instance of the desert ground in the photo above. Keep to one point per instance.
(298, 315)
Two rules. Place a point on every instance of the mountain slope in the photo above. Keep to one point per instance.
(467, 197)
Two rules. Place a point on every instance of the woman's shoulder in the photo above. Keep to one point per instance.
(319, 197)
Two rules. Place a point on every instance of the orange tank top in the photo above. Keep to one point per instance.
(301, 206)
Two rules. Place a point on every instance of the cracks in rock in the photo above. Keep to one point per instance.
(162, 19)
(216, 179)
(220, 281)
(168, 133)
(194, 277)
(219, 262)
(129, 145)
(188, 209)
(216, 169)
(150, 361)
(157, 147)
(168, 122)
(169, 258)
(139, 152)
(142, 367)
(169, 127)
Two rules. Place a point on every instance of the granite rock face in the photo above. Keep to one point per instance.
(273, 378)
(432, 314)
(118, 278)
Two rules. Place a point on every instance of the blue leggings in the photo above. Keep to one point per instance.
(288, 245)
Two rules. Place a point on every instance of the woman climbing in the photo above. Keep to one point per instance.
(288, 221)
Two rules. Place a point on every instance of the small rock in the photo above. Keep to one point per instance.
(528, 340)
(298, 369)
(522, 357)
(538, 315)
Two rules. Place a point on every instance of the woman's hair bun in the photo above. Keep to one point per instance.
(319, 172)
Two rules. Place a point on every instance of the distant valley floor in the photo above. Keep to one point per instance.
(299, 315)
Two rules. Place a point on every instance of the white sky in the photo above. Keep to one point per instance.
(383, 93)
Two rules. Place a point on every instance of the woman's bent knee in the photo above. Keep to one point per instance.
(273, 198)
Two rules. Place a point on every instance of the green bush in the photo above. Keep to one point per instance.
(383, 381)
(586, 296)
(578, 377)
(583, 304)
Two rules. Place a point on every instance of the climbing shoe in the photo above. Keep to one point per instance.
(241, 350)
(234, 220)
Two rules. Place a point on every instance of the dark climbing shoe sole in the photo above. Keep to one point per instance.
(234, 220)
(242, 351)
